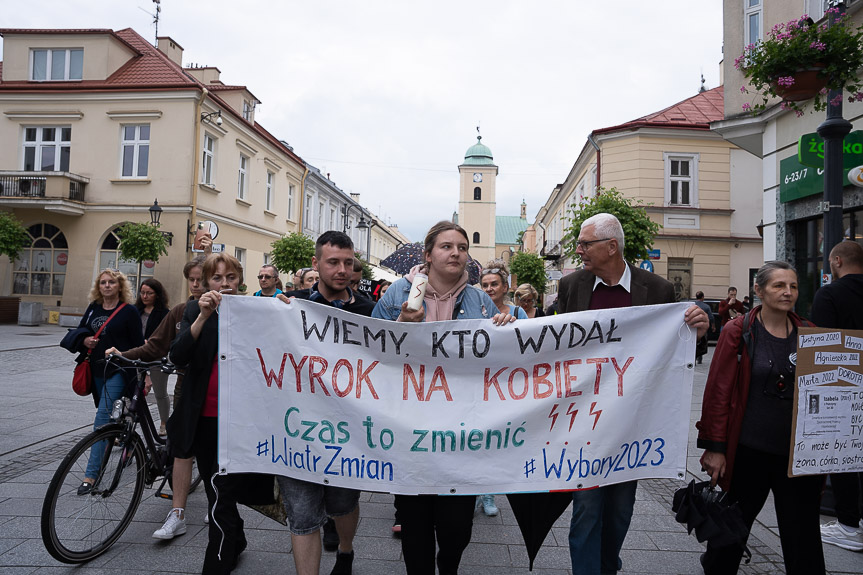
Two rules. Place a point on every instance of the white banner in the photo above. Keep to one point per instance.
(557, 403)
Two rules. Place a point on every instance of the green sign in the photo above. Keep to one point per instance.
(798, 181)
(810, 150)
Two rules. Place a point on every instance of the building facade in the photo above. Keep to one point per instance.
(792, 216)
(97, 125)
(702, 189)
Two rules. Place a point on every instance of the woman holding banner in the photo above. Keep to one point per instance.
(193, 427)
(448, 297)
(745, 426)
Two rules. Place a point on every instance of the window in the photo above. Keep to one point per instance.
(247, 110)
(207, 163)
(136, 150)
(751, 21)
(681, 179)
(41, 268)
(476, 238)
(47, 148)
(333, 218)
(243, 177)
(109, 257)
(268, 259)
(307, 212)
(240, 254)
(270, 191)
(816, 9)
(477, 193)
(56, 65)
(291, 190)
(320, 217)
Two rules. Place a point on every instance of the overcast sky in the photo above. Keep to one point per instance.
(386, 96)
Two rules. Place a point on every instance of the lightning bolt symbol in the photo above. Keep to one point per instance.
(571, 414)
(597, 413)
(553, 415)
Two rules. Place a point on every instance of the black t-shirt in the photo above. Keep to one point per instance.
(357, 305)
(767, 420)
(123, 332)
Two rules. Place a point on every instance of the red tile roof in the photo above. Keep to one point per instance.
(694, 113)
(148, 69)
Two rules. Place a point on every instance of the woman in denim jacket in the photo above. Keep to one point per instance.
(448, 297)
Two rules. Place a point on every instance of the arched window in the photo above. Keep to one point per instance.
(477, 193)
(41, 269)
(109, 257)
(476, 238)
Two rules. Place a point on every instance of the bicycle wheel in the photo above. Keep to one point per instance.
(77, 528)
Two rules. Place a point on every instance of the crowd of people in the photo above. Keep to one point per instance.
(744, 429)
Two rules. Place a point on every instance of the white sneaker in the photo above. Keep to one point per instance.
(839, 535)
(173, 526)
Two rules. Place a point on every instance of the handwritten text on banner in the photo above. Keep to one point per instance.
(564, 402)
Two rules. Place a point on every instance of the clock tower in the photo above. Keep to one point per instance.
(476, 204)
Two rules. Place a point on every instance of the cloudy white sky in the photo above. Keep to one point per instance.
(386, 95)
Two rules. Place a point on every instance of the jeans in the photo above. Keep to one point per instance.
(107, 391)
(600, 520)
(308, 504)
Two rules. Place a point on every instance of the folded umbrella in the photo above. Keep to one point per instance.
(711, 515)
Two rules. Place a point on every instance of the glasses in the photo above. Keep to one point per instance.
(490, 271)
(265, 277)
(584, 244)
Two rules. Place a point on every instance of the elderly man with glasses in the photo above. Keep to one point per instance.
(267, 278)
(601, 516)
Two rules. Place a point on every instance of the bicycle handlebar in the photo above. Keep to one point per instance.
(165, 365)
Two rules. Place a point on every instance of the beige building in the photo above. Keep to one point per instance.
(96, 126)
(792, 217)
(703, 190)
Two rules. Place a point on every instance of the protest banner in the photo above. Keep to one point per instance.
(827, 431)
(565, 402)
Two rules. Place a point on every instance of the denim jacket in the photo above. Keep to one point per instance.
(471, 303)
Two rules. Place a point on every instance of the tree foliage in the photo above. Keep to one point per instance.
(638, 229)
(141, 241)
(367, 269)
(529, 268)
(13, 236)
(292, 252)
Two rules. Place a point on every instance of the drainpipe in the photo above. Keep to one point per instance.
(302, 198)
(195, 168)
(598, 159)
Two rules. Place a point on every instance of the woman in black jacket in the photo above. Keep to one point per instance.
(193, 427)
(152, 304)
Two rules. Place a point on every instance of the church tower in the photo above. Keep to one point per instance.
(476, 205)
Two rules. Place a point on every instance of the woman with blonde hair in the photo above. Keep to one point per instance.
(526, 297)
(111, 310)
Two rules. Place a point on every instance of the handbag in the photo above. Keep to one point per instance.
(82, 377)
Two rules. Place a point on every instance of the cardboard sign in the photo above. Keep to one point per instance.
(827, 430)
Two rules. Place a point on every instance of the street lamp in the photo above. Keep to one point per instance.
(347, 209)
(156, 214)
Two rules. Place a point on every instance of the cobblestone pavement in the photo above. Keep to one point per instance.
(41, 419)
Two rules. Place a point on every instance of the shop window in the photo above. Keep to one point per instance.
(680, 276)
(41, 268)
(109, 257)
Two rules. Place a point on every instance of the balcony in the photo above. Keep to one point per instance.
(61, 192)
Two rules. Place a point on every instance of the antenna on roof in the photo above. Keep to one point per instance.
(702, 88)
(155, 16)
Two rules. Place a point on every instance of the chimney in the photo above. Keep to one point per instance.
(355, 196)
(171, 49)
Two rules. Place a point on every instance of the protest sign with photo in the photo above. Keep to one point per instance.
(558, 403)
(828, 403)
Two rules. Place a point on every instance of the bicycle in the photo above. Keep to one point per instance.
(78, 528)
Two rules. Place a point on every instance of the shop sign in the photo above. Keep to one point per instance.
(798, 181)
(810, 150)
(62, 259)
(654, 254)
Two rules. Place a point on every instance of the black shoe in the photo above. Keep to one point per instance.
(85, 488)
(331, 536)
(344, 564)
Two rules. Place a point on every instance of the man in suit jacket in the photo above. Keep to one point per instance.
(601, 516)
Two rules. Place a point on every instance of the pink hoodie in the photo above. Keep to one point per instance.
(439, 307)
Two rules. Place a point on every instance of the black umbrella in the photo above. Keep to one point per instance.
(536, 514)
(404, 258)
(409, 255)
(711, 515)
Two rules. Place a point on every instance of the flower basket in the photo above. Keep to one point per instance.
(807, 84)
(801, 60)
